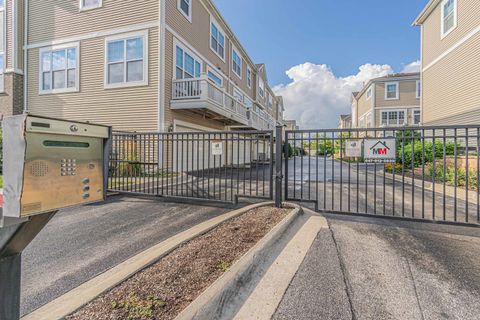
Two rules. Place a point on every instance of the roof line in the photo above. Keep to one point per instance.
(431, 5)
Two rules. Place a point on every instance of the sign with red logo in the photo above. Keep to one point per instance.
(379, 150)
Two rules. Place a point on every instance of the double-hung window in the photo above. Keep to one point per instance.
(391, 91)
(236, 63)
(270, 102)
(449, 16)
(186, 66)
(369, 93)
(59, 69)
(3, 30)
(215, 78)
(126, 60)
(89, 4)
(416, 117)
(238, 95)
(261, 88)
(185, 7)
(217, 40)
(249, 77)
(418, 89)
(393, 118)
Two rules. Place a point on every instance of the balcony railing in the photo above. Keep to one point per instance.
(202, 93)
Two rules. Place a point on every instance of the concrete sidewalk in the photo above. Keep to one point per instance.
(369, 268)
(82, 243)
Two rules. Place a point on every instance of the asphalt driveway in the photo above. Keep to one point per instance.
(81, 243)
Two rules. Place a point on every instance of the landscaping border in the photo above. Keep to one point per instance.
(78, 297)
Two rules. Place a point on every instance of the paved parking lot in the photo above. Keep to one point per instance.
(81, 243)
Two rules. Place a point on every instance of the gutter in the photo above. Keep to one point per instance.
(425, 12)
(25, 59)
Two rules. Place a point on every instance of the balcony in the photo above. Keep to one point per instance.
(213, 101)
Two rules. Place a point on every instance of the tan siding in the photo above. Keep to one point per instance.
(133, 108)
(364, 106)
(433, 45)
(57, 19)
(451, 87)
(170, 114)
(20, 33)
(407, 95)
(8, 34)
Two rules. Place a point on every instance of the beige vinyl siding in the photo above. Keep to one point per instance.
(407, 94)
(451, 92)
(184, 115)
(364, 106)
(433, 44)
(20, 33)
(58, 19)
(134, 108)
(8, 33)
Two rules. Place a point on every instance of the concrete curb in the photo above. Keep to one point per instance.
(83, 294)
(216, 301)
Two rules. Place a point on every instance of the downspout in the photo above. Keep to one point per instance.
(25, 58)
(161, 68)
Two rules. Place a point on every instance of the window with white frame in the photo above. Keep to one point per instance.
(270, 101)
(449, 16)
(393, 118)
(59, 69)
(419, 89)
(362, 122)
(236, 63)
(248, 102)
(126, 60)
(369, 93)
(89, 4)
(2, 43)
(369, 120)
(185, 7)
(391, 90)
(261, 88)
(186, 66)
(416, 116)
(215, 77)
(249, 77)
(217, 40)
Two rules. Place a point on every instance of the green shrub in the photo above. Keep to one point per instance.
(417, 156)
(447, 175)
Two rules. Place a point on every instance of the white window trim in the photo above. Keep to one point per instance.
(369, 93)
(126, 36)
(224, 37)
(234, 49)
(455, 16)
(240, 93)
(397, 97)
(210, 69)
(418, 93)
(413, 116)
(75, 45)
(249, 70)
(82, 8)
(178, 43)
(189, 15)
(260, 80)
(405, 116)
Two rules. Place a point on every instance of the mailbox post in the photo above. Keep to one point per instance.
(49, 164)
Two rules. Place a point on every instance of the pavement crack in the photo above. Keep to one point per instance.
(410, 274)
(348, 287)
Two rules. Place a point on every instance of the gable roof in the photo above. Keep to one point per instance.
(390, 77)
(431, 5)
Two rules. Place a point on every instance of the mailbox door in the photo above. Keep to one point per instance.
(61, 171)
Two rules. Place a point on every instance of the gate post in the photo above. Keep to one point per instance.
(278, 166)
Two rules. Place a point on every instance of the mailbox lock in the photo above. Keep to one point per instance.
(86, 181)
(86, 188)
(86, 196)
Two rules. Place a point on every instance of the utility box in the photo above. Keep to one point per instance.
(50, 164)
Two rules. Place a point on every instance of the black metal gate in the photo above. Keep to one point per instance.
(433, 176)
(213, 166)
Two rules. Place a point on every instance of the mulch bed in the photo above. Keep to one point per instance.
(163, 290)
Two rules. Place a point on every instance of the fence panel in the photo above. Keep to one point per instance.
(433, 175)
(214, 166)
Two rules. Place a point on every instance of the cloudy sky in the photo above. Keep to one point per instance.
(318, 51)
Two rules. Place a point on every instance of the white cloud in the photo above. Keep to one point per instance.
(412, 67)
(316, 97)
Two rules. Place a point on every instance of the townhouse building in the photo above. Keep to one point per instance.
(151, 65)
(345, 121)
(450, 56)
(11, 58)
(389, 101)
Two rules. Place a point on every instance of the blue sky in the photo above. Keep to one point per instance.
(318, 51)
(343, 34)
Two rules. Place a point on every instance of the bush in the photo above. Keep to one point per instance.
(448, 176)
(393, 168)
(417, 155)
